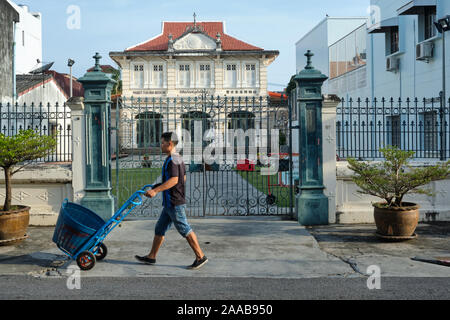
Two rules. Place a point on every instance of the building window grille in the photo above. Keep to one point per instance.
(250, 74)
(184, 76)
(158, 76)
(394, 40)
(139, 76)
(231, 75)
(205, 76)
(429, 27)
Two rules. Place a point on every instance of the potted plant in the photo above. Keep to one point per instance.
(391, 180)
(16, 152)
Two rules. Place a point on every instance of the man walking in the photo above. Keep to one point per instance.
(174, 203)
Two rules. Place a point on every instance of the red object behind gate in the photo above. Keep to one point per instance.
(245, 165)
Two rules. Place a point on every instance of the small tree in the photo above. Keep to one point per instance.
(392, 179)
(18, 151)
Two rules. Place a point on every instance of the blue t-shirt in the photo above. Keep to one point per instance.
(174, 167)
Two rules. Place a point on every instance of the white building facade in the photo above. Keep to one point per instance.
(330, 33)
(333, 32)
(162, 78)
(405, 48)
(400, 54)
(28, 39)
(391, 88)
(186, 59)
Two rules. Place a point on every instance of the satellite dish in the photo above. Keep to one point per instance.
(42, 69)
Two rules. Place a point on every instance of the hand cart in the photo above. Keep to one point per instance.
(80, 232)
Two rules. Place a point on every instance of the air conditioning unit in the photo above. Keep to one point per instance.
(424, 51)
(392, 64)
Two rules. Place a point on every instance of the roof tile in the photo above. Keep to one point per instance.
(160, 43)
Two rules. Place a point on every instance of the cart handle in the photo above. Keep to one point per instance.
(146, 186)
(138, 194)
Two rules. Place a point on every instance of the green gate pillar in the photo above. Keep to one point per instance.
(97, 99)
(312, 204)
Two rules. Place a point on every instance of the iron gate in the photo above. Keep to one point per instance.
(209, 126)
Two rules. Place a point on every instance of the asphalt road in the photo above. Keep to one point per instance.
(171, 288)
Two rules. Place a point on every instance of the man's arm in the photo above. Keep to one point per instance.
(166, 185)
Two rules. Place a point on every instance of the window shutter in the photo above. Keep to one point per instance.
(208, 76)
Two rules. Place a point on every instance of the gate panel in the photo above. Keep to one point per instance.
(220, 186)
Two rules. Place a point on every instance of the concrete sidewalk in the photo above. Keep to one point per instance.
(260, 247)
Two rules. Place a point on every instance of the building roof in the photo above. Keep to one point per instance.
(63, 81)
(106, 68)
(177, 29)
(27, 82)
(16, 16)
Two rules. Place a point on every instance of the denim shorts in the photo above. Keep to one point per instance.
(175, 215)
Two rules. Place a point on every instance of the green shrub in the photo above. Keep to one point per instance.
(17, 151)
(393, 178)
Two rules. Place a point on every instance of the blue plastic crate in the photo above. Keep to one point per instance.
(75, 227)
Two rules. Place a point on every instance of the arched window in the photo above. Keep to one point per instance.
(241, 120)
(149, 129)
(188, 123)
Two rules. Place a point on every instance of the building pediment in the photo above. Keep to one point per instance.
(194, 41)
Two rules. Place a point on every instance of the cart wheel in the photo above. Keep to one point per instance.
(270, 199)
(86, 260)
(102, 251)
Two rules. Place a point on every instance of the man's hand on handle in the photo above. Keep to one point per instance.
(150, 193)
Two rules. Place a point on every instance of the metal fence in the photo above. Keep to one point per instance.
(46, 119)
(363, 126)
(223, 187)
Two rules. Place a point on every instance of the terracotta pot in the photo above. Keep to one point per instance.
(14, 224)
(397, 222)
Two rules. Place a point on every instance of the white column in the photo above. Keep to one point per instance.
(171, 78)
(76, 106)
(329, 152)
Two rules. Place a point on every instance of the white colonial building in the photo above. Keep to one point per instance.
(188, 58)
(165, 78)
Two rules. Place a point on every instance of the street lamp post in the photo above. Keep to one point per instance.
(70, 63)
(443, 25)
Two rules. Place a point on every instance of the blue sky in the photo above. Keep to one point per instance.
(113, 25)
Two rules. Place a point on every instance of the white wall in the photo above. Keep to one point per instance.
(43, 188)
(28, 39)
(47, 93)
(171, 74)
(352, 207)
(315, 40)
(318, 40)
